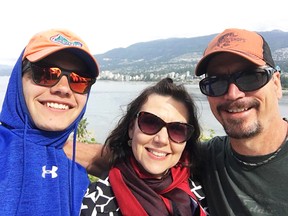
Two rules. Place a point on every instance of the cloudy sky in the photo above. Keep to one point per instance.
(108, 24)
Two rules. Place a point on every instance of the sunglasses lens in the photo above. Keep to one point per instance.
(252, 81)
(80, 84)
(49, 76)
(179, 132)
(45, 76)
(246, 81)
(213, 86)
(151, 124)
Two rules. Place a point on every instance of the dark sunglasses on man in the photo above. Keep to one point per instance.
(48, 76)
(247, 81)
(151, 124)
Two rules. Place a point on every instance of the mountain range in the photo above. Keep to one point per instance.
(178, 54)
(173, 54)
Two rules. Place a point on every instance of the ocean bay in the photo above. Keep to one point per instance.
(108, 100)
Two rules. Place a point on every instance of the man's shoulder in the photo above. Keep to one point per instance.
(215, 144)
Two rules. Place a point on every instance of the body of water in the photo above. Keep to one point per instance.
(108, 100)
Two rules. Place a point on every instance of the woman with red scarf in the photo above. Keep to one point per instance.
(153, 149)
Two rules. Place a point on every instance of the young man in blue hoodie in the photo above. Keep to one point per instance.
(45, 100)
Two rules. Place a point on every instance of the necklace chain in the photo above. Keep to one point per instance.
(261, 162)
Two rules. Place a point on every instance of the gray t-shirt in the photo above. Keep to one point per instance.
(233, 188)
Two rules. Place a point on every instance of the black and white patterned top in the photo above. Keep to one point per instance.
(100, 199)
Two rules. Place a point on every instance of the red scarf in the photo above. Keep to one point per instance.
(138, 193)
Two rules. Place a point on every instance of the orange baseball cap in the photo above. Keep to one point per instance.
(247, 44)
(47, 42)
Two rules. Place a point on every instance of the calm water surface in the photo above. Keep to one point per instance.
(108, 100)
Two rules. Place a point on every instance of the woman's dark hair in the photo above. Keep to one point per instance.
(117, 141)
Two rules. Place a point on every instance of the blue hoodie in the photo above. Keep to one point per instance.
(36, 176)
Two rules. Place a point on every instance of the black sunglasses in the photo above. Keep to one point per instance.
(246, 81)
(151, 124)
(49, 76)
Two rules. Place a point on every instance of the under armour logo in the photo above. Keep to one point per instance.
(50, 172)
